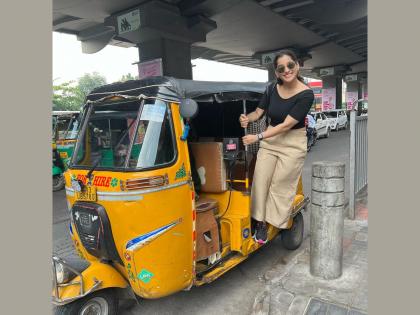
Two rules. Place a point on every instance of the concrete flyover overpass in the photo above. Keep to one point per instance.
(329, 36)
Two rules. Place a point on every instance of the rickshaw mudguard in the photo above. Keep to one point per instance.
(97, 276)
(56, 170)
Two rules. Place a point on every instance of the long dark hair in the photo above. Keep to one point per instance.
(291, 54)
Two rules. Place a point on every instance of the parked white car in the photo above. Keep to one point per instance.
(337, 119)
(322, 125)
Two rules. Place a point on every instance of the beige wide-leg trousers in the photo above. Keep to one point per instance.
(279, 165)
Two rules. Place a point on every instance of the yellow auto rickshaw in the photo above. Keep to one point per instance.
(140, 220)
(65, 126)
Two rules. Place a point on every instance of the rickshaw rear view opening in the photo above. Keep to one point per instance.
(137, 220)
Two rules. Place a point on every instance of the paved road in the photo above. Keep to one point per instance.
(234, 292)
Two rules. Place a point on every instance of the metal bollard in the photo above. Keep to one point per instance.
(327, 219)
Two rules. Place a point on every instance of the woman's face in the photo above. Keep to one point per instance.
(287, 70)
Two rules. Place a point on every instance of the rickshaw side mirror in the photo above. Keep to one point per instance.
(188, 108)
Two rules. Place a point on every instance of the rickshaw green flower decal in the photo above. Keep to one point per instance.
(114, 182)
(181, 172)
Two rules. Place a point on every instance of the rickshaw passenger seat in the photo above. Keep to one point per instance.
(210, 166)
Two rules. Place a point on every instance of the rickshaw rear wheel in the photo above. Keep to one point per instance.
(58, 182)
(104, 302)
(292, 238)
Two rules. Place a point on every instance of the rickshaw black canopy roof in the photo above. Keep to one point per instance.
(175, 89)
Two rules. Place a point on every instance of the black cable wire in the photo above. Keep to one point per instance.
(231, 165)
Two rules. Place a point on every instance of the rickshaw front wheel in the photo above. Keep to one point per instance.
(104, 302)
(58, 182)
(292, 238)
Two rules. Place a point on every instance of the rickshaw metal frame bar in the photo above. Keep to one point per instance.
(139, 88)
(56, 299)
(237, 180)
(246, 151)
(127, 159)
(129, 97)
(80, 132)
(61, 261)
(300, 206)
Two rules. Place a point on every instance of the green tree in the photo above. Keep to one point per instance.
(71, 95)
(67, 96)
(128, 76)
(89, 81)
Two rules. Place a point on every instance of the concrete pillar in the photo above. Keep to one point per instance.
(354, 86)
(364, 89)
(327, 219)
(271, 73)
(161, 31)
(175, 55)
(356, 83)
(334, 82)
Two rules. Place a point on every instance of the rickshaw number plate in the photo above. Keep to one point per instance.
(88, 194)
(64, 155)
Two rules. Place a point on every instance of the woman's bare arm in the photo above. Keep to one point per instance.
(286, 125)
(253, 116)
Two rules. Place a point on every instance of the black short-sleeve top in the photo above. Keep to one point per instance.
(297, 106)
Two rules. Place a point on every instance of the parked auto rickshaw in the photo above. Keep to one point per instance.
(65, 128)
(137, 219)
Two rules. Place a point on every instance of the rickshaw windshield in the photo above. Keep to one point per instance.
(126, 135)
(66, 128)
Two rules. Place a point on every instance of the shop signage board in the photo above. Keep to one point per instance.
(128, 22)
(150, 68)
(351, 97)
(328, 99)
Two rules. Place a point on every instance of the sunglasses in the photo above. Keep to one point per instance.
(282, 68)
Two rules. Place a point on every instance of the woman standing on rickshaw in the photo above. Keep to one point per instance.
(283, 146)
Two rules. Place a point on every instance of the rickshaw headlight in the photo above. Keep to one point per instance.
(63, 273)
